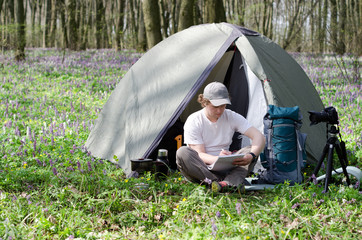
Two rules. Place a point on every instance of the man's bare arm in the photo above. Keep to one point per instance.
(200, 149)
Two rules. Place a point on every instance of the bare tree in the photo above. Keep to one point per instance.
(214, 11)
(72, 29)
(141, 35)
(20, 30)
(186, 17)
(151, 14)
(341, 45)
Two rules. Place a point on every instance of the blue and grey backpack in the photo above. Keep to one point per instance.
(284, 155)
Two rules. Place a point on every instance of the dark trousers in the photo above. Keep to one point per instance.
(194, 169)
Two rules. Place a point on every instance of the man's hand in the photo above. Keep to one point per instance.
(243, 161)
(224, 152)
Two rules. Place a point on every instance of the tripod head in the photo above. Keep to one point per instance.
(332, 131)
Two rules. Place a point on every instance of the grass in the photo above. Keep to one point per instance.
(52, 188)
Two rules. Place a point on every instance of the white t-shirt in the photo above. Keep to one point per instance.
(198, 129)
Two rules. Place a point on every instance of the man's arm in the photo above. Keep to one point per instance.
(257, 146)
(257, 140)
(207, 158)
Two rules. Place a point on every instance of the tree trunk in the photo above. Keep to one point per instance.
(73, 30)
(186, 16)
(312, 26)
(319, 26)
(52, 39)
(241, 12)
(64, 23)
(141, 35)
(334, 25)
(45, 21)
(151, 14)
(99, 23)
(342, 28)
(119, 23)
(165, 18)
(324, 27)
(220, 11)
(82, 25)
(86, 25)
(20, 30)
(174, 14)
(1, 5)
(214, 11)
(131, 22)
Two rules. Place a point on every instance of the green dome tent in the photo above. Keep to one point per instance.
(162, 86)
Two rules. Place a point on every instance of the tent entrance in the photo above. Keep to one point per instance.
(231, 71)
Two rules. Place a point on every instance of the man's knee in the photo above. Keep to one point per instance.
(181, 153)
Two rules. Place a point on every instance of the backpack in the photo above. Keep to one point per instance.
(284, 154)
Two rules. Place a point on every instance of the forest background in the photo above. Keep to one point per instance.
(318, 26)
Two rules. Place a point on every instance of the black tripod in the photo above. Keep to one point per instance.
(333, 143)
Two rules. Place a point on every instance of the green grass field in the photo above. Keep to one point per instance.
(51, 188)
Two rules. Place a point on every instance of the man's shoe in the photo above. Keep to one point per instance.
(218, 186)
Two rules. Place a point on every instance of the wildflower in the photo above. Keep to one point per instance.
(213, 227)
(208, 181)
(348, 214)
(70, 169)
(297, 205)
(126, 180)
(218, 214)
(55, 172)
(104, 172)
(184, 199)
(39, 162)
(89, 166)
(25, 164)
(79, 167)
(314, 194)
(313, 177)
(238, 208)
(356, 186)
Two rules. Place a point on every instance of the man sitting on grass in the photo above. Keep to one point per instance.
(208, 133)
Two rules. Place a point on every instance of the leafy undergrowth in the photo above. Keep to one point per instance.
(52, 188)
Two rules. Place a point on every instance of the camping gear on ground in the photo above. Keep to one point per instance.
(284, 155)
(162, 164)
(159, 166)
(141, 165)
(163, 85)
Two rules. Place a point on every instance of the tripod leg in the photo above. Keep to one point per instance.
(320, 161)
(342, 160)
(329, 167)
